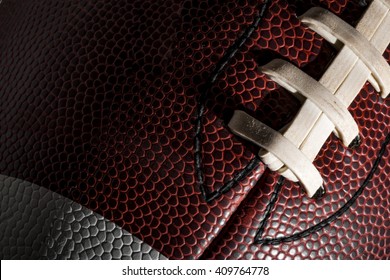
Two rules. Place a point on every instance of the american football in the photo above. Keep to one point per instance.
(195, 129)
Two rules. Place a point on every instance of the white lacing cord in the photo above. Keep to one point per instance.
(386, 2)
(332, 28)
(267, 138)
(325, 107)
(296, 81)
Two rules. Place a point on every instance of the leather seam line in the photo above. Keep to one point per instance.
(325, 222)
(220, 66)
(270, 207)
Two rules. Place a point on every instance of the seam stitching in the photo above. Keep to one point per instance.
(269, 208)
(327, 221)
(220, 66)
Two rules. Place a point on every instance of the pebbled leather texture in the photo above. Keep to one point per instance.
(39, 224)
(122, 108)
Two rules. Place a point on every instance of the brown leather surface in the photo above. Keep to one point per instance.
(122, 107)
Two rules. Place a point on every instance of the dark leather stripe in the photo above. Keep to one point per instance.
(37, 223)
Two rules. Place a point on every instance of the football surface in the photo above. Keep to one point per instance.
(194, 129)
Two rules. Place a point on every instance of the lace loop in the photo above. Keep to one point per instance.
(325, 108)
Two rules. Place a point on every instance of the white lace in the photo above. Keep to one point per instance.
(325, 102)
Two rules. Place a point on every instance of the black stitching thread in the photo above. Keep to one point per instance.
(327, 221)
(269, 208)
(232, 50)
